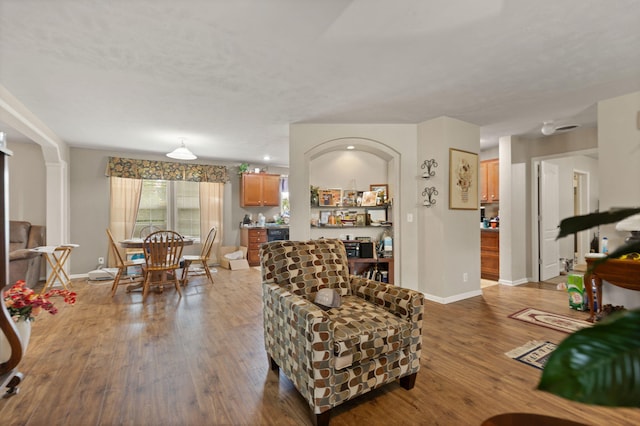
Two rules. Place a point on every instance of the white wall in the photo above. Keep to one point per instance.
(27, 183)
(619, 160)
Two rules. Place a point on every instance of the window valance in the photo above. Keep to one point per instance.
(165, 170)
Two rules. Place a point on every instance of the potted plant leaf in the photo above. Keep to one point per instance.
(599, 365)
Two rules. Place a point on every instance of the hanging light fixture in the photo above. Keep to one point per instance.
(182, 152)
(548, 128)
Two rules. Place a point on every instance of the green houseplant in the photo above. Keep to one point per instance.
(599, 365)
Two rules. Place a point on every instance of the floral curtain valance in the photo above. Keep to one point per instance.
(165, 170)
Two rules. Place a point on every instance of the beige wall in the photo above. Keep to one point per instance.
(27, 194)
(524, 153)
(90, 205)
(396, 144)
(619, 147)
(449, 240)
(433, 246)
(347, 169)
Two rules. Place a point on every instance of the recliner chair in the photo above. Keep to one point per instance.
(23, 263)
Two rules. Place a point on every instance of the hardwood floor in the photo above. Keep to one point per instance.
(201, 360)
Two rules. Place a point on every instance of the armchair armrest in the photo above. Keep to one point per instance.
(299, 338)
(402, 302)
(22, 254)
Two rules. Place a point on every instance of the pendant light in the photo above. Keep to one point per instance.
(182, 152)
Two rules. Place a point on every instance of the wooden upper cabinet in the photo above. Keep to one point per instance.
(259, 189)
(493, 173)
(484, 182)
(489, 181)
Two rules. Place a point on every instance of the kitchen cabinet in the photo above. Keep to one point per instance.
(490, 254)
(489, 181)
(259, 190)
(252, 239)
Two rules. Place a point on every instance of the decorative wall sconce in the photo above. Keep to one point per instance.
(429, 164)
(430, 193)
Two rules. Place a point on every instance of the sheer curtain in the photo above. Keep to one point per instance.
(123, 207)
(211, 203)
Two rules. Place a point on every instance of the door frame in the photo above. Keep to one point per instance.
(535, 243)
(584, 194)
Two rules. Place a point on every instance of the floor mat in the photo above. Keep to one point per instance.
(534, 353)
(550, 320)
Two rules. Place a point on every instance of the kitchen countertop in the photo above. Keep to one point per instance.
(267, 226)
(490, 229)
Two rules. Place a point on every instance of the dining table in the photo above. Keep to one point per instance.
(138, 243)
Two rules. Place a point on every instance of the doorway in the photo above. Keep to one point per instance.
(581, 196)
(582, 239)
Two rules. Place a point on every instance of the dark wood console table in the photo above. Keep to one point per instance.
(619, 272)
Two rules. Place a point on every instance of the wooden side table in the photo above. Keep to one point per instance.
(619, 272)
(57, 257)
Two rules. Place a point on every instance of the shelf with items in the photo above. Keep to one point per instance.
(379, 269)
(350, 217)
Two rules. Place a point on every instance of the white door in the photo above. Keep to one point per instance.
(549, 202)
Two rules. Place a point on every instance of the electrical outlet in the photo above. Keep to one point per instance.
(465, 277)
(101, 261)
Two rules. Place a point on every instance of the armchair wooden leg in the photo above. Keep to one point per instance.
(322, 419)
(274, 367)
(409, 381)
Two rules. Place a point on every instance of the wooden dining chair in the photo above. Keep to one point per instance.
(147, 230)
(162, 253)
(202, 258)
(120, 266)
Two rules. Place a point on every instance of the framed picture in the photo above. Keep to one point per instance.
(463, 180)
(330, 197)
(382, 189)
(349, 198)
(361, 219)
(369, 198)
(324, 217)
(377, 215)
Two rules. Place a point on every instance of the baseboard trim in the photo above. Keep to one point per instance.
(454, 298)
(514, 283)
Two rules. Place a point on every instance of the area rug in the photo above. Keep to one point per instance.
(550, 320)
(534, 353)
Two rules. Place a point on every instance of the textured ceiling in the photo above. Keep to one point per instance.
(230, 76)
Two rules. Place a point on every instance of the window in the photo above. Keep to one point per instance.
(169, 205)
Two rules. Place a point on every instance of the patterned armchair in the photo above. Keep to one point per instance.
(334, 355)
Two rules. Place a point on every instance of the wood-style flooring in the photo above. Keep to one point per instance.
(200, 360)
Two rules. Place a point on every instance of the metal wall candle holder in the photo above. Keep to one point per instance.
(430, 193)
(429, 165)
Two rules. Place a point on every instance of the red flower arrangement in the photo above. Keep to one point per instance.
(24, 304)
